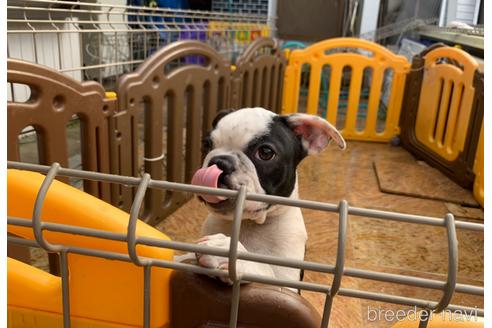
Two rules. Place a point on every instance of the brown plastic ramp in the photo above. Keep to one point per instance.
(180, 87)
(443, 111)
(259, 76)
(200, 301)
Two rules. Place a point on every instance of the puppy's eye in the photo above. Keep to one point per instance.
(265, 153)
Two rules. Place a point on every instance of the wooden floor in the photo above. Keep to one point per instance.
(378, 245)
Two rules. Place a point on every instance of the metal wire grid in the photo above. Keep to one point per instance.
(449, 287)
(94, 41)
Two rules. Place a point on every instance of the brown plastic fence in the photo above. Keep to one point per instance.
(180, 88)
(171, 99)
(178, 91)
(259, 76)
(443, 127)
(54, 99)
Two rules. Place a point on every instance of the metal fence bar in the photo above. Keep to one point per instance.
(410, 218)
(132, 222)
(261, 279)
(147, 276)
(152, 25)
(122, 257)
(448, 287)
(132, 245)
(266, 259)
(38, 227)
(236, 289)
(452, 265)
(424, 318)
(274, 200)
(232, 268)
(37, 224)
(114, 39)
(411, 281)
(339, 264)
(172, 12)
(261, 258)
(38, 31)
(379, 297)
(65, 288)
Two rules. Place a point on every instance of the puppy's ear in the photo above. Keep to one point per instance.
(315, 132)
(220, 114)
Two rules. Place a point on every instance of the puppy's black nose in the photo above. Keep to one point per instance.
(223, 162)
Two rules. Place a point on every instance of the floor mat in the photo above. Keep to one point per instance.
(465, 212)
(420, 180)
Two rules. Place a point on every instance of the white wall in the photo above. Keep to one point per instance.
(58, 51)
(370, 12)
(115, 47)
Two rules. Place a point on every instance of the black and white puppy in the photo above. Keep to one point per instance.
(260, 150)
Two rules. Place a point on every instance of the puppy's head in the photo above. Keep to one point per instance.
(260, 150)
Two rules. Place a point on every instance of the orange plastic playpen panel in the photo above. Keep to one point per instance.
(358, 55)
(442, 121)
(478, 186)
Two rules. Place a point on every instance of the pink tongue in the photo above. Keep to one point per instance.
(208, 177)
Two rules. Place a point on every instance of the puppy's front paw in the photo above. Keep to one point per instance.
(222, 263)
(217, 262)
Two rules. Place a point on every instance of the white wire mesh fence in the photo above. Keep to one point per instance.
(448, 287)
(96, 41)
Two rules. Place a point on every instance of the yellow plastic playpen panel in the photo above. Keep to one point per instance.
(367, 55)
(478, 186)
(446, 99)
(107, 292)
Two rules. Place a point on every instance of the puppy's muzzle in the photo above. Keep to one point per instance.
(215, 175)
(226, 164)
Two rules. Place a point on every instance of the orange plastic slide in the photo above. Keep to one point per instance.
(103, 293)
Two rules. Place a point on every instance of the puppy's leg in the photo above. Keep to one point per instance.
(217, 262)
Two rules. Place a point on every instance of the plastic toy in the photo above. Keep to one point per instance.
(103, 293)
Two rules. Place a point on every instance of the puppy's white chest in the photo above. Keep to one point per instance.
(283, 235)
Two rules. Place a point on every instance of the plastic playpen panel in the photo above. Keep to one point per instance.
(358, 55)
(54, 100)
(478, 169)
(259, 76)
(141, 130)
(445, 105)
(443, 111)
(184, 75)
